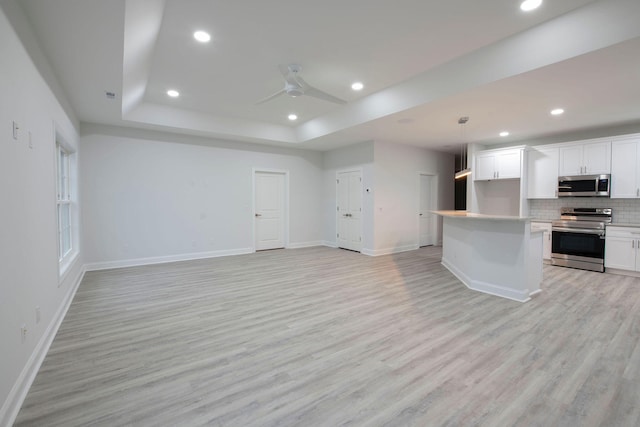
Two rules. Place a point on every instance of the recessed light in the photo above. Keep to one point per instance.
(529, 5)
(293, 117)
(504, 133)
(557, 111)
(202, 36)
(357, 86)
(173, 93)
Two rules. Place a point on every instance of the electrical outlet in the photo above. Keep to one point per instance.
(38, 314)
(23, 332)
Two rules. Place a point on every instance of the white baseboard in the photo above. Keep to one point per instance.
(164, 259)
(388, 251)
(621, 272)
(300, 245)
(487, 288)
(329, 244)
(18, 393)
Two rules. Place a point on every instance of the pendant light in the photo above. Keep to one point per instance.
(463, 150)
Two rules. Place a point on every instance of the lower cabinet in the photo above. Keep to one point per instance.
(622, 248)
(546, 237)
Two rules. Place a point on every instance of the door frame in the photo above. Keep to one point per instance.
(335, 213)
(285, 201)
(434, 204)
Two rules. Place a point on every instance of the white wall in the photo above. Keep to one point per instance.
(28, 229)
(149, 197)
(353, 157)
(396, 191)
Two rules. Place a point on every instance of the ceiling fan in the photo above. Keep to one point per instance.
(295, 86)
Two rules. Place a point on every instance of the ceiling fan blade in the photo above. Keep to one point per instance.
(270, 97)
(317, 93)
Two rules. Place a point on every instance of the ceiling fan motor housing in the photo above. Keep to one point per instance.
(293, 90)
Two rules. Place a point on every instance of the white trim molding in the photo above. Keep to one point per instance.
(300, 245)
(389, 251)
(488, 288)
(164, 259)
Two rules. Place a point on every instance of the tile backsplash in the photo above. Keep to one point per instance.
(625, 211)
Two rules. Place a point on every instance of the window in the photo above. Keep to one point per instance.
(64, 204)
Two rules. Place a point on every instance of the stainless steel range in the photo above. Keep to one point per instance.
(577, 239)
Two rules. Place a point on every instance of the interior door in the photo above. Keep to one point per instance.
(349, 210)
(269, 210)
(426, 218)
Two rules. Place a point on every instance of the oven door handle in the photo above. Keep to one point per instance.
(578, 230)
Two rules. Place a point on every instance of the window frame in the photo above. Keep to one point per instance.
(63, 203)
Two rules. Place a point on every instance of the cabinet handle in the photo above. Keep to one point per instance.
(637, 192)
(633, 244)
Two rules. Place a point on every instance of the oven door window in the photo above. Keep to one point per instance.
(579, 244)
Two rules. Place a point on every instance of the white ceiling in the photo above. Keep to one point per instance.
(424, 64)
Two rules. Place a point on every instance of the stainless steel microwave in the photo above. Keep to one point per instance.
(584, 186)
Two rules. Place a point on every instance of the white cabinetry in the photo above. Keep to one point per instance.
(542, 173)
(498, 164)
(621, 248)
(545, 227)
(585, 159)
(625, 169)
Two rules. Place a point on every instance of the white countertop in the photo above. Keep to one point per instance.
(465, 214)
(617, 224)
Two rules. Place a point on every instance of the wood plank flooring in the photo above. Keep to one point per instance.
(326, 337)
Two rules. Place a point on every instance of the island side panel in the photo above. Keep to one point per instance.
(500, 265)
(457, 248)
(490, 256)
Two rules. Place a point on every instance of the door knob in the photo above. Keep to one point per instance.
(257, 215)
(420, 214)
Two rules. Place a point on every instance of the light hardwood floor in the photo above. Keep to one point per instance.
(326, 337)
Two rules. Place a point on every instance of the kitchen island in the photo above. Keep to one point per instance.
(494, 254)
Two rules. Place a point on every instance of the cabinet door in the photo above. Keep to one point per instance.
(542, 173)
(485, 167)
(508, 164)
(620, 252)
(546, 237)
(571, 160)
(597, 158)
(624, 169)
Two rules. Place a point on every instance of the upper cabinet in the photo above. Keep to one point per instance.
(585, 159)
(625, 169)
(498, 164)
(542, 173)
